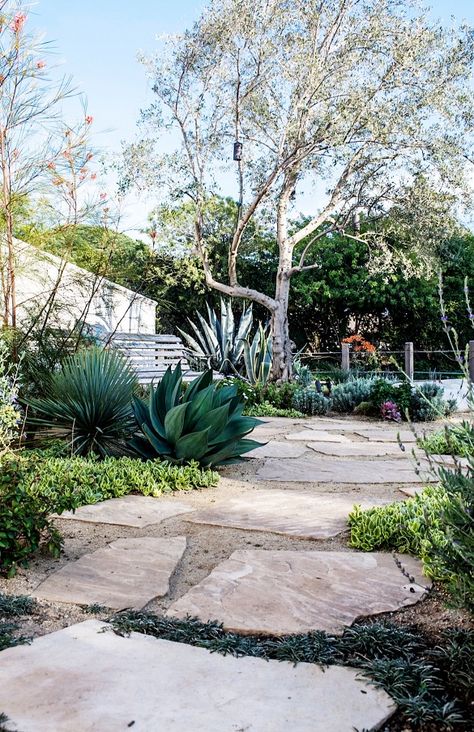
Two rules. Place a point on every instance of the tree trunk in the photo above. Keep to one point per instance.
(282, 363)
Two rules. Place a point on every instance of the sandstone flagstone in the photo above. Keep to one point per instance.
(280, 592)
(324, 470)
(81, 679)
(138, 511)
(361, 448)
(320, 436)
(379, 434)
(278, 449)
(127, 573)
(294, 513)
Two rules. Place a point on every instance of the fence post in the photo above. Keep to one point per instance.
(409, 360)
(471, 361)
(345, 357)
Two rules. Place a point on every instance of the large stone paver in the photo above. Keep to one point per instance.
(320, 436)
(278, 449)
(325, 470)
(127, 573)
(83, 680)
(294, 513)
(387, 434)
(361, 448)
(280, 592)
(138, 511)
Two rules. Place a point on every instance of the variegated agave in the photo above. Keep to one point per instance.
(216, 343)
(203, 423)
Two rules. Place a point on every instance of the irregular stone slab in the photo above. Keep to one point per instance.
(278, 449)
(362, 449)
(127, 573)
(387, 435)
(136, 511)
(320, 436)
(83, 679)
(324, 470)
(411, 491)
(294, 513)
(280, 592)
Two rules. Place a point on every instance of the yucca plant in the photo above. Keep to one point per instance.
(89, 402)
(216, 341)
(202, 423)
(258, 356)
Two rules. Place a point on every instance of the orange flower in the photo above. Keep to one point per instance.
(359, 343)
(40, 64)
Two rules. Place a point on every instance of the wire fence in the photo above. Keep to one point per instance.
(429, 364)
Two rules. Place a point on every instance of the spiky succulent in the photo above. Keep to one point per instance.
(202, 423)
(217, 342)
(88, 402)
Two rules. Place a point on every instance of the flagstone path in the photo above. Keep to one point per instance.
(127, 573)
(296, 492)
(293, 513)
(130, 510)
(82, 679)
(282, 592)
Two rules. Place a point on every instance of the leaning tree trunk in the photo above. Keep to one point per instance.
(282, 352)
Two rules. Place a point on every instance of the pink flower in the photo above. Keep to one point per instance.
(103, 196)
(89, 119)
(89, 156)
(93, 176)
(40, 64)
(18, 22)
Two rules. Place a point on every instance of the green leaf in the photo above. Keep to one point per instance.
(192, 446)
(174, 422)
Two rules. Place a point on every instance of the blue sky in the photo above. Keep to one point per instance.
(96, 42)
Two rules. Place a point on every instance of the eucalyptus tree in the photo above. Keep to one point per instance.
(358, 97)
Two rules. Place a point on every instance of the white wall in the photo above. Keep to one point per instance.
(113, 308)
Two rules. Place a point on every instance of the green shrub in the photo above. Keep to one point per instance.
(348, 395)
(265, 409)
(452, 440)
(364, 409)
(454, 555)
(386, 391)
(24, 518)
(310, 401)
(88, 402)
(204, 423)
(428, 403)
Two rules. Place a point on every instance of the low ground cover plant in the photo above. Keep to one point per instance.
(35, 484)
(452, 440)
(13, 607)
(431, 682)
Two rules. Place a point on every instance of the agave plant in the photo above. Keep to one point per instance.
(89, 402)
(217, 342)
(202, 423)
(258, 357)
